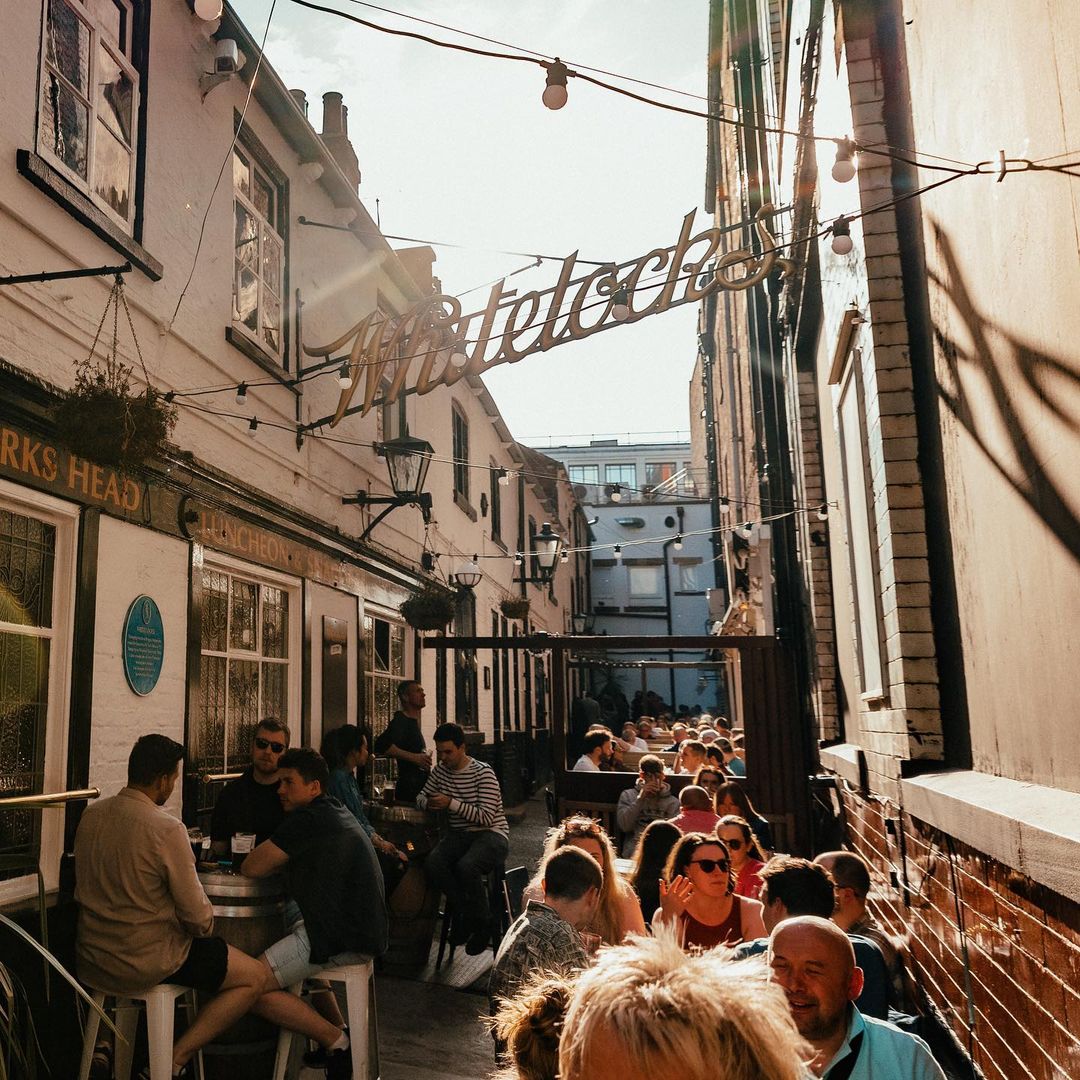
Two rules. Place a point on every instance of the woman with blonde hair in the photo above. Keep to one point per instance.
(528, 1025)
(647, 1010)
(618, 913)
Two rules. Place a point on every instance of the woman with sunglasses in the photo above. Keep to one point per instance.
(618, 914)
(697, 897)
(747, 858)
(731, 798)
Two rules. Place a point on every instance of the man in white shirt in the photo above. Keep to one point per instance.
(813, 960)
(633, 740)
(598, 750)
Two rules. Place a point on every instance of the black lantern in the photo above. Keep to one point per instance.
(547, 545)
(407, 461)
(582, 622)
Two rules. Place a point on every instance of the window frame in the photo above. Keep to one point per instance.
(495, 505)
(649, 484)
(459, 425)
(572, 469)
(64, 517)
(620, 470)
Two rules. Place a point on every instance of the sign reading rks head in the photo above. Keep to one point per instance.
(435, 344)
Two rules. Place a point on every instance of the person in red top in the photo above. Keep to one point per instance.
(697, 897)
(747, 858)
(696, 812)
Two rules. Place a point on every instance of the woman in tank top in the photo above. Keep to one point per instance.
(697, 897)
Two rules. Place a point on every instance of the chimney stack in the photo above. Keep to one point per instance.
(335, 134)
(301, 100)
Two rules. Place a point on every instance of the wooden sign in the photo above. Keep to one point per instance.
(415, 349)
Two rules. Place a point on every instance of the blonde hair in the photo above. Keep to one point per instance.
(530, 1024)
(702, 1017)
(607, 921)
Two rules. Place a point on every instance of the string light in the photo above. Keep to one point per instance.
(253, 426)
(457, 355)
(841, 236)
(241, 394)
(344, 378)
(725, 505)
(565, 556)
(616, 493)
(518, 560)
(678, 545)
(823, 512)
(554, 96)
(504, 477)
(208, 10)
(620, 309)
(618, 553)
(745, 530)
(843, 169)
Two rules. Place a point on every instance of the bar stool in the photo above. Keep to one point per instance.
(493, 882)
(359, 1002)
(160, 1003)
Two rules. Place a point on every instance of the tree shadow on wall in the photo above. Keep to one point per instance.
(1010, 370)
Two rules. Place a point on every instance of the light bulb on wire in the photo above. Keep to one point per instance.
(253, 426)
(746, 530)
(554, 96)
(208, 10)
(241, 394)
(344, 376)
(618, 553)
(564, 557)
(518, 559)
(458, 356)
(725, 505)
(616, 493)
(504, 478)
(841, 236)
(620, 305)
(843, 169)
(678, 545)
(823, 512)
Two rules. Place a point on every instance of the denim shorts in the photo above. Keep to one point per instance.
(290, 958)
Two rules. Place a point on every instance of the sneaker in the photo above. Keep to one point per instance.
(339, 1064)
(317, 1058)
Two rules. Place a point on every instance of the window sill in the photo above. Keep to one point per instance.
(47, 180)
(498, 541)
(463, 504)
(259, 356)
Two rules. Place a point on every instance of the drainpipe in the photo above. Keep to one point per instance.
(667, 600)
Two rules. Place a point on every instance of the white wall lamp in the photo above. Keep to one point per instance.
(229, 61)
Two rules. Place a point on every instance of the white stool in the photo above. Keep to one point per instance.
(160, 1002)
(357, 979)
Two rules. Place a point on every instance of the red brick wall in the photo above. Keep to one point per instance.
(1023, 942)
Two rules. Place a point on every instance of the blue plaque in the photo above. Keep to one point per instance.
(144, 645)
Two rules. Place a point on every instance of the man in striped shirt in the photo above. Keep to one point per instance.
(476, 840)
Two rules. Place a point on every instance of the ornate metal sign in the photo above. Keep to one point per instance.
(512, 327)
(143, 645)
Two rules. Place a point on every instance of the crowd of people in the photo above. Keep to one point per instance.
(710, 957)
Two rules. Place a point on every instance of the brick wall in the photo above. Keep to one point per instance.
(1022, 942)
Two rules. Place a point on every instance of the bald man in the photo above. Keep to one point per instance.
(812, 960)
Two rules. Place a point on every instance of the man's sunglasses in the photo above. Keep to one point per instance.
(709, 865)
(267, 744)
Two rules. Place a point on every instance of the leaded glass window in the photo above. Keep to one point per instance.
(383, 662)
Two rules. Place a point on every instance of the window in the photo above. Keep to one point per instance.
(496, 503)
(384, 668)
(36, 584)
(461, 454)
(259, 257)
(689, 484)
(656, 472)
(87, 122)
(621, 474)
(391, 423)
(646, 582)
(584, 474)
(247, 646)
(691, 577)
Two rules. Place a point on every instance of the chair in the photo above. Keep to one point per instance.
(160, 1002)
(496, 905)
(358, 980)
(513, 888)
(552, 807)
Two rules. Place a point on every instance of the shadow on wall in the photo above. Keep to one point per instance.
(1006, 367)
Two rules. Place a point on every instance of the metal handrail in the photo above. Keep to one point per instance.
(57, 798)
(219, 778)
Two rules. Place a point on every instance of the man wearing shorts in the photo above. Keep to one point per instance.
(144, 918)
(336, 912)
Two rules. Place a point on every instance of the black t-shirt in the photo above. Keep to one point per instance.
(404, 733)
(246, 806)
(335, 879)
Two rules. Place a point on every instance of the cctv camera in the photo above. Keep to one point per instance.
(226, 57)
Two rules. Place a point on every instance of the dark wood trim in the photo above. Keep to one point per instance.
(273, 367)
(463, 504)
(80, 718)
(48, 181)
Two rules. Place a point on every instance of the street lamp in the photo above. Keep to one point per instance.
(582, 622)
(407, 462)
(547, 547)
(468, 575)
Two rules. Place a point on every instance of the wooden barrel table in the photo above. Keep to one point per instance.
(414, 904)
(248, 914)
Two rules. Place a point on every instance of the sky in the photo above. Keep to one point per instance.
(459, 149)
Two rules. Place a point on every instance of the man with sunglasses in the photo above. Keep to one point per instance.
(250, 803)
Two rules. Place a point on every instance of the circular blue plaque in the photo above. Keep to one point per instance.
(144, 645)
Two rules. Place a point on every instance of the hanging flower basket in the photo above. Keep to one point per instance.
(429, 609)
(515, 607)
(102, 418)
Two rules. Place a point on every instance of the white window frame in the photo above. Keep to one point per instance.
(64, 516)
(215, 561)
(577, 480)
(86, 184)
(257, 336)
(863, 568)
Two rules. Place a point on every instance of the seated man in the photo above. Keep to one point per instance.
(336, 912)
(477, 839)
(851, 877)
(692, 755)
(813, 961)
(645, 727)
(678, 733)
(650, 799)
(598, 750)
(545, 936)
(144, 918)
(632, 739)
(792, 886)
(734, 764)
(649, 1011)
(250, 804)
(696, 813)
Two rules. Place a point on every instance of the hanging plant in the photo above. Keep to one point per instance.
(429, 609)
(102, 418)
(515, 607)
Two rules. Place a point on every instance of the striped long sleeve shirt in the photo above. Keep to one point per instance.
(475, 799)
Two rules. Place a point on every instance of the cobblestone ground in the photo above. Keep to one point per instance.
(432, 1030)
